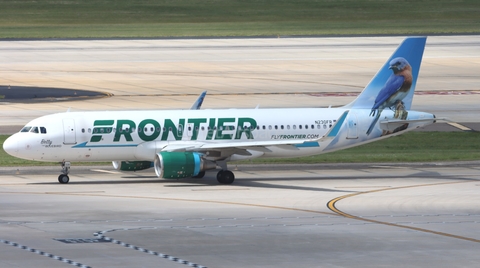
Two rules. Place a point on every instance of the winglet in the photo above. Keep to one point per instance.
(198, 103)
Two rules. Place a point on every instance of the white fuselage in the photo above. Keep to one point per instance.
(139, 135)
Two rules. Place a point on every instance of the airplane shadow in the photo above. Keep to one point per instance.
(208, 181)
(265, 183)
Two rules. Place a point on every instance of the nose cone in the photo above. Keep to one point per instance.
(11, 145)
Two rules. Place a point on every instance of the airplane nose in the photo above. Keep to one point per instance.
(11, 145)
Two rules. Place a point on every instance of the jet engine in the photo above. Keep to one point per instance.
(131, 165)
(176, 165)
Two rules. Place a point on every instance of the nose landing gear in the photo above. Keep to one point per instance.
(63, 178)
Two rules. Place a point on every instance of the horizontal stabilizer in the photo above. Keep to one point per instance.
(391, 125)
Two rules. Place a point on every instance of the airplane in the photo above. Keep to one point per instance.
(186, 143)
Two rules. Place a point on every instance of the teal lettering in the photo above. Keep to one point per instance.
(211, 127)
(124, 131)
(171, 127)
(196, 126)
(221, 127)
(245, 125)
(99, 128)
(156, 130)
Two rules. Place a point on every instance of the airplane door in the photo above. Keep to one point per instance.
(69, 136)
(352, 132)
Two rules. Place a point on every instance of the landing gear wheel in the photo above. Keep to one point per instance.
(200, 175)
(225, 177)
(63, 179)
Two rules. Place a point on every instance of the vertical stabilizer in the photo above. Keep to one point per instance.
(394, 84)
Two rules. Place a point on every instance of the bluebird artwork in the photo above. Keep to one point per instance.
(394, 91)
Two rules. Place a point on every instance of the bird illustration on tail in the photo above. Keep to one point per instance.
(394, 91)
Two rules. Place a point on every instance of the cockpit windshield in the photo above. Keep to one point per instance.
(26, 129)
(30, 129)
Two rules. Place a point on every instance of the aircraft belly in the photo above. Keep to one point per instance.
(302, 151)
(99, 154)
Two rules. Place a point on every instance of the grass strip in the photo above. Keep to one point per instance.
(167, 18)
(410, 147)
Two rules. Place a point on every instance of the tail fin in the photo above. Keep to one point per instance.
(411, 49)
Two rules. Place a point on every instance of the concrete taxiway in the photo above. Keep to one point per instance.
(400, 215)
(303, 215)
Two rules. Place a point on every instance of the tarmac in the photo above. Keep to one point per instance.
(341, 215)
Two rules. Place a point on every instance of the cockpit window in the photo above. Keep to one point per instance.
(43, 130)
(34, 130)
(25, 129)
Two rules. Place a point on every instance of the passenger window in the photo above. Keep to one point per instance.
(294, 126)
(43, 130)
(299, 126)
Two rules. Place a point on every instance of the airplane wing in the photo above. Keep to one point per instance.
(251, 145)
(238, 147)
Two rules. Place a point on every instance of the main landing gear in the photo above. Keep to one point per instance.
(63, 178)
(225, 177)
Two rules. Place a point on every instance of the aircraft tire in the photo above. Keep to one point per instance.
(225, 177)
(63, 179)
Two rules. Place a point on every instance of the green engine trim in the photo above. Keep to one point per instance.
(175, 165)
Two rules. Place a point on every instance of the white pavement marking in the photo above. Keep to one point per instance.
(161, 255)
(460, 126)
(39, 252)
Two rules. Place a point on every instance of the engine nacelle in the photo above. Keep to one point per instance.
(131, 165)
(175, 165)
